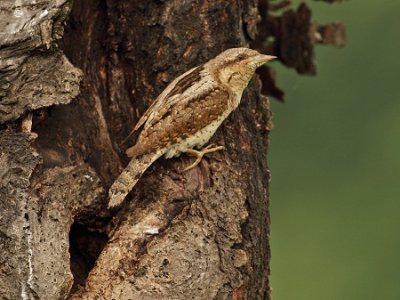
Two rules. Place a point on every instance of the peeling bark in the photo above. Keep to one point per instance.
(33, 73)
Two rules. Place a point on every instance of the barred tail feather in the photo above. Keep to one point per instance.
(129, 177)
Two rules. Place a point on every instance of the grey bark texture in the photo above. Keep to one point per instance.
(33, 74)
(36, 215)
(87, 71)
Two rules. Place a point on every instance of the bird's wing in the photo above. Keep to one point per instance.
(168, 97)
(190, 113)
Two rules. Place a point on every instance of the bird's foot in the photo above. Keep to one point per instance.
(200, 153)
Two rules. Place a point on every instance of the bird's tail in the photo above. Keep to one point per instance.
(128, 178)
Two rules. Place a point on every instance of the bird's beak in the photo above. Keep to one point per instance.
(262, 58)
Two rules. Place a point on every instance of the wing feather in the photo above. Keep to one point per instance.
(189, 114)
(168, 98)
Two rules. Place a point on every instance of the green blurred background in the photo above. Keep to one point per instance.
(335, 163)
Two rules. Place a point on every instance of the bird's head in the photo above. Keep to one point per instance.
(235, 66)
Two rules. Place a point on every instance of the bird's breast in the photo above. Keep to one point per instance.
(199, 139)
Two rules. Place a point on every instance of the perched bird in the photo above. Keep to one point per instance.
(187, 114)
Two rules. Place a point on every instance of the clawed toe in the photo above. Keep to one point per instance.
(200, 153)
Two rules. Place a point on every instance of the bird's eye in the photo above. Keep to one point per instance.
(234, 75)
(241, 56)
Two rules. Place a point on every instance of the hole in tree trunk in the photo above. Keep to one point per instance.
(85, 247)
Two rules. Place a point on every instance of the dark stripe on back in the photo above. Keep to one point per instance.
(184, 83)
(203, 96)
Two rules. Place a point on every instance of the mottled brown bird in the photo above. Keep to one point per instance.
(187, 114)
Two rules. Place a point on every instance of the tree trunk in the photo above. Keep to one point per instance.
(201, 234)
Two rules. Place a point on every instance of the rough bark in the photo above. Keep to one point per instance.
(33, 74)
(202, 234)
(37, 212)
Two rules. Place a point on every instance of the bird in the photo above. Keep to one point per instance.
(187, 114)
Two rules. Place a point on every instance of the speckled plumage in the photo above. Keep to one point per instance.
(187, 113)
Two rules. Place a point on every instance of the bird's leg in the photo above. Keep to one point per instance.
(200, 153)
